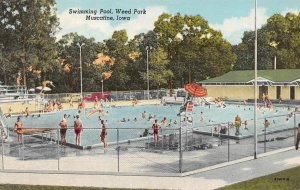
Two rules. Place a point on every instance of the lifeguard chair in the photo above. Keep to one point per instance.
(186, 114)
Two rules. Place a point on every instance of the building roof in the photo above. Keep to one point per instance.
(247, 76)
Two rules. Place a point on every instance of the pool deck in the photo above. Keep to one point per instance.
(19, 107)
(45, 167)
(212, 179)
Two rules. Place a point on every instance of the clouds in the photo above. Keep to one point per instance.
(234, 27)
(142, 23)
(290, 10)
(103, 29)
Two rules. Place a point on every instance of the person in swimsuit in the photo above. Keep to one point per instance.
(18, 128)
(96, 102)
(26, 111)
(71, 102)
(155, 128)
(81, 105)
(78, 130)
(103, 134)
(63, 129)
(144, 115)
(298, 137)
(9, 112)
(164, 121)
(237, 123)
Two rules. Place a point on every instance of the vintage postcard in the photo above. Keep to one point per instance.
(197, 94)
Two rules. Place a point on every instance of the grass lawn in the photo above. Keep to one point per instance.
(44, 187)
(284, 180)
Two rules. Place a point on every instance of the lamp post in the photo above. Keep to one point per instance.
(255, 81)
(102, 87)
(274, 44)
(80, 45)
(147, 48)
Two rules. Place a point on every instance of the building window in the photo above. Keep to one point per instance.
(292, 92)
(263, 90)
(278, 92)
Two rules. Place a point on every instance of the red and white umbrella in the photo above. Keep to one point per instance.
(195, 90)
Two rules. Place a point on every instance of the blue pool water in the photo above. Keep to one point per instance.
(211, 117)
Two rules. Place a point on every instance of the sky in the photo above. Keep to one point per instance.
(231, 17)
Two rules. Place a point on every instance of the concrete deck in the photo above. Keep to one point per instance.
(205, 180)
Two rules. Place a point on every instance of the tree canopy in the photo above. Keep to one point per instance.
(181, 48)
(279, 37)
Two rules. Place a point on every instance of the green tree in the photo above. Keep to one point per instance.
(158, 71)
(195, 50)
(28, 28)
(69, 54)
(118, 49)
(279, 37)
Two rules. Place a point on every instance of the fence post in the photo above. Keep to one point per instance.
(162, 139)
(118, 148)
(265, 136)
(58, 149)
(295, 128)
(180, 152)
(2, 148)
(228, 141)
(23, 146)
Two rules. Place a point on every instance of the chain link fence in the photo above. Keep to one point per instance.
(133, 150)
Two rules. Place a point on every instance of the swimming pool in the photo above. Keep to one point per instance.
(211, 115)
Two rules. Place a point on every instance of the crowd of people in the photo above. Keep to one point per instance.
(147, 118)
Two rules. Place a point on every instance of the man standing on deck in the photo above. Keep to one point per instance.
(78, 130)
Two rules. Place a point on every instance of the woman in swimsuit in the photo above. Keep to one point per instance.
(103, 134)
(18, 128)
(155, 127)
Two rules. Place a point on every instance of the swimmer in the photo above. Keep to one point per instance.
(135, 119)
(245, 125)
(144, 115)
(164, 121)
(201, 116)
(150, 117)
(266, 124)
(123, 120)
(99, 110)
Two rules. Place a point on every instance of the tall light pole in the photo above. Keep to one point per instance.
(80, 45)
(102, 87)
(255, 82)
(147, 49)
(274, 44)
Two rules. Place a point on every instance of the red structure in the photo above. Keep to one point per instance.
(99, 95)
